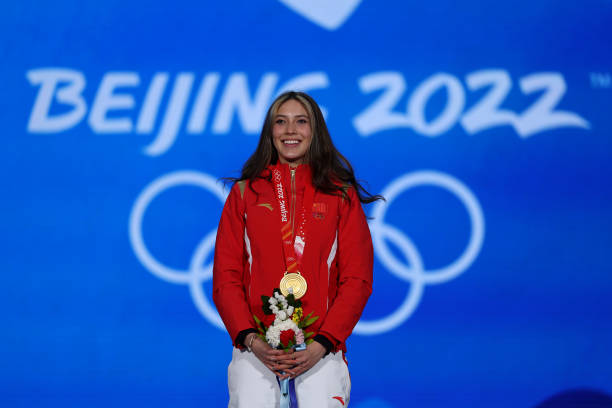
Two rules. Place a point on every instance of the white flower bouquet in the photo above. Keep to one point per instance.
(288, 328)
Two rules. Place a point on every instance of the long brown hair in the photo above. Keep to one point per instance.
(331, 171)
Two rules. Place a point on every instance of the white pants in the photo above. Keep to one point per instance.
(252, 385)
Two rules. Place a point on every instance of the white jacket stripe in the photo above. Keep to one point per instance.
(330, 258)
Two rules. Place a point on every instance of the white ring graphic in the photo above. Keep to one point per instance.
(414, 272)
(197, 273)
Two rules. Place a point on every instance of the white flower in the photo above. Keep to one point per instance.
(274, 331)
(274, 309)
(289, 310)
(282, 315)
(272, 301)
(273, 336)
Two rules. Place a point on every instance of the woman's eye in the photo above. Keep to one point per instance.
(302, 121)
(279, 121)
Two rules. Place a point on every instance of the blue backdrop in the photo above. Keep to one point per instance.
(486, 125)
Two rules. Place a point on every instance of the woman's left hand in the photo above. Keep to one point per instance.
(306, 359)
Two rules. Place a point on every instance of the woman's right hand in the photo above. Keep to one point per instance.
(277, 361)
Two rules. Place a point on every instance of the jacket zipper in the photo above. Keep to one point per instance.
(292, 203)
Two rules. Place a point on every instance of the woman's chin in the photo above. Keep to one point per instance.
(292, 160)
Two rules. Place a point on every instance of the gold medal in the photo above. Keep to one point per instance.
(295, 282)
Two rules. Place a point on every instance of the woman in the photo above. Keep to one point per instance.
(295, 208)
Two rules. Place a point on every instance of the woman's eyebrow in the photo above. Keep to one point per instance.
(297, 116)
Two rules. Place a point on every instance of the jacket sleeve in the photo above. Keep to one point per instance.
(228, 269)
(355, 259)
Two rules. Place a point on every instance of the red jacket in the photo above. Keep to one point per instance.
(249, 259)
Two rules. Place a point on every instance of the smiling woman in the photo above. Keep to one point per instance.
(291, 132)
(316, 204)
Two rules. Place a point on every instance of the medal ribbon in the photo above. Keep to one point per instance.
(293, 250)
(288, 396)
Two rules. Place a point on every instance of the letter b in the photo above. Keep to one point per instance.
(70, 94)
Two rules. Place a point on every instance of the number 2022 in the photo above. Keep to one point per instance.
(485, 114)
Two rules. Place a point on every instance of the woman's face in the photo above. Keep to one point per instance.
(291, 132)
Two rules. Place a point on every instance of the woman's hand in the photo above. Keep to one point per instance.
(277, 361)
(306, 359)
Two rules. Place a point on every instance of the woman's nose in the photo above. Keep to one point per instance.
(291, 128)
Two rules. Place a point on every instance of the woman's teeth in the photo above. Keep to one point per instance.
(291, 141)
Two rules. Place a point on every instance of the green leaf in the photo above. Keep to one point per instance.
(307, 335)
(302, 324)
(311, 321)
(260, 326)
(292, 301)
(266, 305)
(309, 341)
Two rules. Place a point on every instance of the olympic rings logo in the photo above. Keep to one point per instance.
(277, 176)
(198, 273)
(415, 273)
